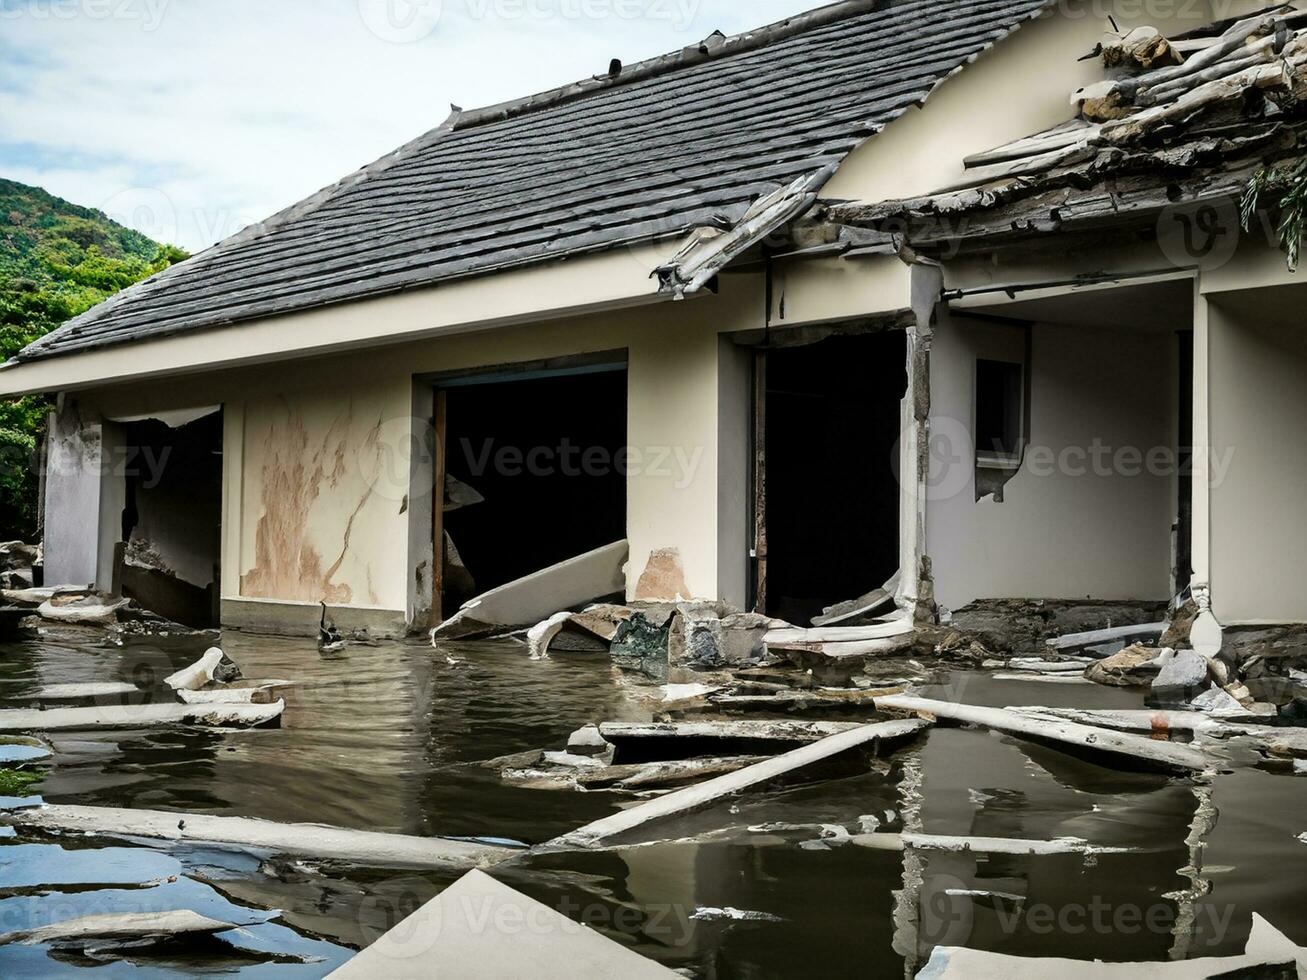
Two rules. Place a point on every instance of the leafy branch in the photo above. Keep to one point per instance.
(1288, 186)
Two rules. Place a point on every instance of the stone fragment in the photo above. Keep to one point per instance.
(1134, 666)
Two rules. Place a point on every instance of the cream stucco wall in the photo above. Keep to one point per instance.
(1257, 385)
(1063, 531)
(318, 452)
(1020, 87)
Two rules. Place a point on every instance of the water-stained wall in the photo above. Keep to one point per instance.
(320, 493)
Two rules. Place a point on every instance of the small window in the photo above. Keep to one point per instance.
(999, 396)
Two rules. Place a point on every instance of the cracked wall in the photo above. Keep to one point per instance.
(323, 498)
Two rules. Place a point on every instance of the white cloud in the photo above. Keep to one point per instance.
(192, 118)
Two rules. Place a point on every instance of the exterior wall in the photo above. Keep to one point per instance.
(1057, 535)
(327, 473)
(1258, 400)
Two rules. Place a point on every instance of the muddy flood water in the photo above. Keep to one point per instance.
(761, 885)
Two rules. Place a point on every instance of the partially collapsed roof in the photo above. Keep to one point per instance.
(1176, 121)
(661, 148)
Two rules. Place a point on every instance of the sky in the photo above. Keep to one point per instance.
(189, 119)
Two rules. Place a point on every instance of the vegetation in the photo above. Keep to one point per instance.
(16, 782)
(57, 260)
(1286, 189)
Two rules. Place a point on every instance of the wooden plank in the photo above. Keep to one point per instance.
(697, 797)
(440, 462)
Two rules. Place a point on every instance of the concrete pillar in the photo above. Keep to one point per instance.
(83, 498)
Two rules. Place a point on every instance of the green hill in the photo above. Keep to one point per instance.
(57, 260)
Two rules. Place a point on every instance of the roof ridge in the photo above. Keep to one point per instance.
(716, 45)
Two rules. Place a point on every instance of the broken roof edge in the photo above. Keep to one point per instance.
(250, 232)
(709, 49)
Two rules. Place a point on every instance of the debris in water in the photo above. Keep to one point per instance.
(729, 914)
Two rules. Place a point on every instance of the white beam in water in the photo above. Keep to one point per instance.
(302, 840)
(705, 794)
(139, 716)
(1083, 738)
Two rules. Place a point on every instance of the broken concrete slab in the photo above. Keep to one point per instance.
(1181, 674)
(140, 716)
(1134, 666)
(1267, 950)
(1123, 749)
(18, 750)
(705, 794)
(533, 599)
(588, 741)
(139, 927)
(839, 634)
(367, 848)
(213, 666)
(480, 927)
(680, 740)
(642, 644)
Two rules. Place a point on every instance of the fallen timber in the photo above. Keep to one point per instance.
(367, 848)
(1084, 739)
(140, 716)
(696, 797)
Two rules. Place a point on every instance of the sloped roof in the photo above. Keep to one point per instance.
(682, 141)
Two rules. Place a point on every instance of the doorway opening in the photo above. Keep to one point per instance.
(172, 519)
(832, 494)
(534, 474)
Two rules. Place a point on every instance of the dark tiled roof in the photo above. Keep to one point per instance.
(669, 145)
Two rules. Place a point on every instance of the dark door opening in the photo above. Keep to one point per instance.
(832, 432)
(172, 521)
(536, 475)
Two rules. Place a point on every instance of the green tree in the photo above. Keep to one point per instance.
(57, 260)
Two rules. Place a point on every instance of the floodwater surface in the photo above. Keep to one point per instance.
(772, 883)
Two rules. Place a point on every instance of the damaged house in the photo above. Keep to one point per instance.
(924, 302)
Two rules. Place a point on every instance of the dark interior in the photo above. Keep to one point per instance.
(832, 491)
(546, 455)
(173, 514)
